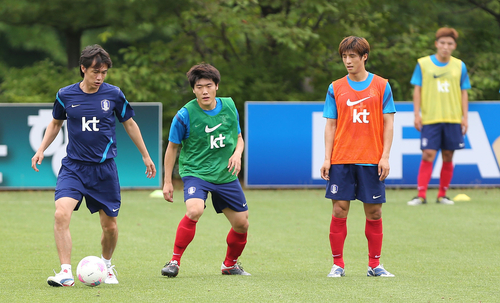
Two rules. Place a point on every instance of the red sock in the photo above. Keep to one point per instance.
(235, 244)
(446, 175)
(338, 232)
(184, 236)
(424, 176)
(374, 235)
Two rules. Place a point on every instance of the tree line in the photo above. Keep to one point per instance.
(266, 50)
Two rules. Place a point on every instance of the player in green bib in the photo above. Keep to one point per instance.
(210, 144)
(208, 134)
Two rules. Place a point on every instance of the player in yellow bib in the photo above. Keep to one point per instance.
(440, 105)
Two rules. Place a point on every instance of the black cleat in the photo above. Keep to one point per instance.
(236, 269)
(171, 269)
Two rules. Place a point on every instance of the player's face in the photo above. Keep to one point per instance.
(354, 63)
(205, 91)
(445, 47)
(93, 77)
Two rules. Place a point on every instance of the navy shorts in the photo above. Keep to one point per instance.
(223, 195)
(350, 181)
(97, 182)
(447, 136)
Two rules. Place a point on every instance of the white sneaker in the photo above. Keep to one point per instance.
(445, 200)
(336, 272)
(417, 201)
(63, 278)
(111, 278)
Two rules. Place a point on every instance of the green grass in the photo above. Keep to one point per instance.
(438, 253)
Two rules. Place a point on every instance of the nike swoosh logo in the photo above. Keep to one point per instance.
(351, 103)
(244, 205)
(211, 129)
(115, 209)
(437, 76)
(461, 144)
(75, 105)
(376, 197)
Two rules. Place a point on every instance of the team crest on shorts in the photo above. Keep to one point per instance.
(424, 142)
(105, 104)
(334, 188)
(191, 190)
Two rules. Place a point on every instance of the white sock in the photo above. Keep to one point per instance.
(107, 262)
(66, 266)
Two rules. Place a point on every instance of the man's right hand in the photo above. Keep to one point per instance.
(168, 191)
(418, 123)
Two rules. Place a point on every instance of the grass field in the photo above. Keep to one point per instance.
(438, 253)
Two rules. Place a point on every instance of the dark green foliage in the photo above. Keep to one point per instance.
(265, 50)
(37, 83)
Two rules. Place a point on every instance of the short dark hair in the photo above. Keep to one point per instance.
(203, 71)
(94, 54)
(359, 45)
(447, 32)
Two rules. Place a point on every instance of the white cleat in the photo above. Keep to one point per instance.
(445, 201)
(63, 278)
(111, 278)
(378, 271)
(336, 272)
(417, 201)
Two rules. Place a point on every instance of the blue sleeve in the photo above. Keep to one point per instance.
(464, 80)
(238, 116)
(179, 130)
(59, 110)
(330, 108)
(416, 78)
(123, 110)
(388, 104)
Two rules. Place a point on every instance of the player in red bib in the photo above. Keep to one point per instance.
(358, 136)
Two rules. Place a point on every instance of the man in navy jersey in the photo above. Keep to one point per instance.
(89, 169)
(208, 134)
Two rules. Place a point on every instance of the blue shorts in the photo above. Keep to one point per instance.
(447, 136)
(223, 195)
(350, 181)
(97, 182)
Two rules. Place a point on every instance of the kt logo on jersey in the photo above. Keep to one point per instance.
(215, 142)
(358, 117)
(91, 125)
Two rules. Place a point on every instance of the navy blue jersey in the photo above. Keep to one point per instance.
(91, 120)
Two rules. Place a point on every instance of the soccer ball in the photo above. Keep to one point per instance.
(92, 271)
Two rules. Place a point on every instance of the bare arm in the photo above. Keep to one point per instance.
(465, 111)
(169, 162)
(234, 164)
(330, 130)
(50, 134)
(383, 165)
(134, 133)
(417, 101)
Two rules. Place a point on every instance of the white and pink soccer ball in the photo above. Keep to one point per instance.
(92, 271)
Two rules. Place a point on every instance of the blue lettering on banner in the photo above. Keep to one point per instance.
(285, 146)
